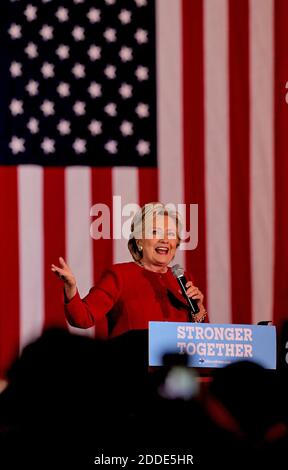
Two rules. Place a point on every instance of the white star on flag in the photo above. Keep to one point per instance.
(141, 73)
(16, 69)
(79, 108)
(47, 70)
(78, 33)
(110, 35)
(63, 89)
(16, 107)
(125, 90)
(142, 110)
(111, 109)
(78, 71)
(17, 145)
(64, 127)
(62, 14)
(32, 87)
(33, 125)
(125, 53)
(30, 13)
(141, 3)
(79, 145)
(78, 1)
(111, 146)
(63, 51)
(15, 31)
(143, 147)
(110, 71)
(93, 15)
(126, 128)
(94, 52)
(95, 127)
(141, 36)
(46, 32)
(110, 2)
(47, 108)
(125, 16)
(94, 90)
(48, 145)
(31, 50)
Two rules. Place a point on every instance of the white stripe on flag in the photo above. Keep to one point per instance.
(169, 105)
(217, 160)
(262, 164)
(31, 255)
(125, 186)
(78, 241)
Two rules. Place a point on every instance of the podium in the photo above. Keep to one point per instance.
(212, 345)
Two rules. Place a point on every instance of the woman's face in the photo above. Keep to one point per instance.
(160, 242)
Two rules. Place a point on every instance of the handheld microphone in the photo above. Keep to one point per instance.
(178, 272)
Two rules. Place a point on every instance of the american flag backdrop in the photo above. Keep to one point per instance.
(181, 101)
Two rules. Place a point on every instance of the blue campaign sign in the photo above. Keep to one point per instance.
(211, 345)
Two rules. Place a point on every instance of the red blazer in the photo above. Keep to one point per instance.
(129, 296)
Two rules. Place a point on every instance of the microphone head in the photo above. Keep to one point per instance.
(177, 270)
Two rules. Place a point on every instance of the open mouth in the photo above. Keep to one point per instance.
(162, 250)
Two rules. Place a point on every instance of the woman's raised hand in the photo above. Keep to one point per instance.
(65, 274)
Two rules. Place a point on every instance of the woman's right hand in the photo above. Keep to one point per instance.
(66, 275)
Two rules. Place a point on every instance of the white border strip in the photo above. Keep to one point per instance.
(169, 105)
(125, 190)
(216, 91)
(31, 253)
(78, 241)
(262, 157)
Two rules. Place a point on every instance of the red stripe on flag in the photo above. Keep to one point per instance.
(193, 115)
(9, 272)
(148, 185)
(281, 162)
(239, 161)
(101, 180)
(54, 243)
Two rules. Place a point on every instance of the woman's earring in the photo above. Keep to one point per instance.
(140, 248)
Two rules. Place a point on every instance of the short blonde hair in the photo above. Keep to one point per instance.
(148, 211)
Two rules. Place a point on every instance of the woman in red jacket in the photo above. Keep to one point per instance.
(132, 294)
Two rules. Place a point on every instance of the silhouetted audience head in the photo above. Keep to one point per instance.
(250, 394)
